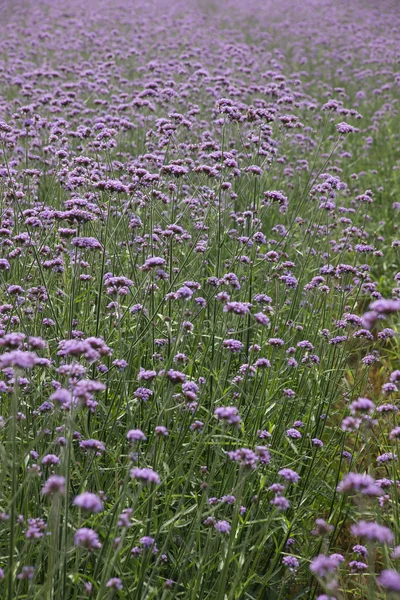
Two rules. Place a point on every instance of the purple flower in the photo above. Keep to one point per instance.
(148, 543)
(222, 527)
(184, 293)
(88, 243)
(281, 503)
(161, 431)
(120, 364)
(322, 527)
(395, 433)
(289, 475)
(395, 376)
(20, 360)
(135, 435)
(390, 580)
(245, 457)
(294, 434)
(337, 340)
(88, 501)
(238, 308)
(276, 488)
(50, 459)
(54, 485)
(228, 499)
(176, 376)
(233, 345)
(124, 519)
(276, 342)
(377, 308)
(361, 550)
(317, 442)
(145, 475)
(373, 532)
(263, 434)
(262, 363)
(143, 394)
(395, 553)
(289, 280)
(389, 388)
(153, 262)
(345, 128)
(291, 562)
(357, 566)
(387, 457)
(278, 197)
(229, 414)
(385, 306)
(262, 319)
(87, 538)
(323, 565)
(114, 583)
(91, 348)
(27, 572)
(359, 482)
(36, 529)
(92, 444)
(263, 455)
(197, 426)
(362, 405)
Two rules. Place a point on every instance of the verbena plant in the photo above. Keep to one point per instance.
(199, 300)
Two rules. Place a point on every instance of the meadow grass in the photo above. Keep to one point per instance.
(200, 299)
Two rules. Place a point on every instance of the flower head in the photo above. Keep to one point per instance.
(88, 501)
(87, 538)
(145, 475)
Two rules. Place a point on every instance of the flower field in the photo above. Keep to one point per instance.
(199, 300)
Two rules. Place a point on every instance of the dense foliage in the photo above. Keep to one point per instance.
(199, 300)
